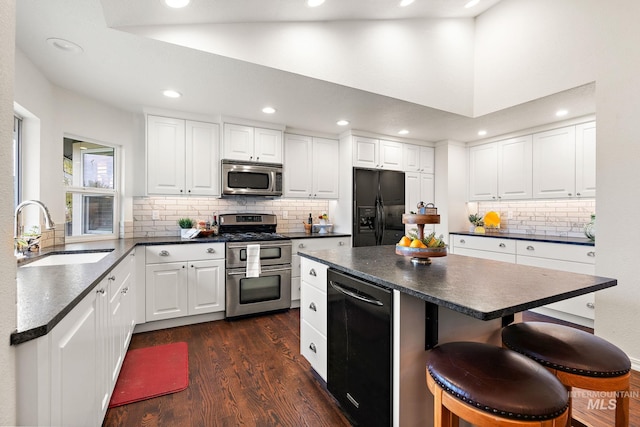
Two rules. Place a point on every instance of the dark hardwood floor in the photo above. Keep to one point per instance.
(250, 373)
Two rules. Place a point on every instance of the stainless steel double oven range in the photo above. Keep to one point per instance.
(271, 289)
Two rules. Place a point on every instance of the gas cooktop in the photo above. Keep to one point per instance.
(249, 227)
(251, 236)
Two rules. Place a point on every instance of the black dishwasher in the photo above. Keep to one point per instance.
(360, 348)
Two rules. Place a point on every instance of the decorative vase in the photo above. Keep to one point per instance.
(590, 228)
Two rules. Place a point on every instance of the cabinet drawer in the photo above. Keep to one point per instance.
(583, 306)
(314, 273)
(320, 243)
(558, 251)
(313, 346)
(492, 244)
(184, 252)
(295, 265)
(313, 307)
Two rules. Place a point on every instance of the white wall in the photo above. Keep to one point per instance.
(450, 183)
(7, 260)
(429, 62)
(529, 49)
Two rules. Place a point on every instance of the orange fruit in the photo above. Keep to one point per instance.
(417, 243)
(405, 241)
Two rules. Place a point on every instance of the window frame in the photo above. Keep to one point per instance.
(17, 160)
(83, 191)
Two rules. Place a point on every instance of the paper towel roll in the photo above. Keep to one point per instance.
(253, 261)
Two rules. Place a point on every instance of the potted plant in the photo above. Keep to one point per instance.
(185, 225)
(477, 223)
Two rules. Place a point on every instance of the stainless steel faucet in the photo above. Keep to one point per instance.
(48, 222)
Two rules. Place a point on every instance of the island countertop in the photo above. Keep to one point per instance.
(479, 288)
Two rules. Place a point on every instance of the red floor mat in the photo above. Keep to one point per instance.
(151, 372)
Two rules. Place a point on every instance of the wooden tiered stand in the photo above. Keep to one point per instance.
(420, 256)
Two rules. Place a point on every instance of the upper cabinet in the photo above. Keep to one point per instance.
(183, 157)
(310, 167)
(377, 154)
(419, 159)
(483, 172)
(564, 162)
(252, 144)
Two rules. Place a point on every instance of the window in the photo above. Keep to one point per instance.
(17, 150)
(91, 190)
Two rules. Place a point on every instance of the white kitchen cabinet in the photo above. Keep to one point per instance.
(252, 143)
(183, 157)
(183, 280)
(482, 247)
(501, 170)
(311, 244)
(554, 163)
(419, 159)
(377, 154)
(67, 376)
(419, 187)
(313, 315)
(586, 160)
(311, 167)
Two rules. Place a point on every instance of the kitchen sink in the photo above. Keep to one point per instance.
(69, 258)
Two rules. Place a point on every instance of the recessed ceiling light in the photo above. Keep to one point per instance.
(65, 45)
(561, 113)
(403, 132)
(404, 3)
(471, 4)
(314, 3)
(177, 4)
(268, 110)
(482, 132)
(169, 93)
(342, 122)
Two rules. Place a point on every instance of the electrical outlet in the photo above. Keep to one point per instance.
(155, 215)
(285, 215)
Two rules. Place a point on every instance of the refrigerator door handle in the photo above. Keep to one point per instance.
(383, 221)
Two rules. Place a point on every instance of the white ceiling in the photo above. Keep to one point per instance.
(129, 71)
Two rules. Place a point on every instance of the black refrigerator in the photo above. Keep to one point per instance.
(378, 205)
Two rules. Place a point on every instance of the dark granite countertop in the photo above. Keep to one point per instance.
(48, 293)
(533, 237)
(480, 288)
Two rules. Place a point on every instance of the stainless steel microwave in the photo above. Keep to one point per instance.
(240, 178)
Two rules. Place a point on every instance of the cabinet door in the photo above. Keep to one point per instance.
(267, 145)
(202, 159)
(427, 191)
(483, 172)
(238, 142)
(365, 152)
(206, 286)
(427, 160)
(586, 160)
(165, 155)
(77, 382)
(325, 168)
(554, 159)
(297, 166)
(411, 158)
(412, 194)
(391, 155)
(515, 168)
(166, 291)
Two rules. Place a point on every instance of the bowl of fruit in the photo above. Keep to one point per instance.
(421, 249)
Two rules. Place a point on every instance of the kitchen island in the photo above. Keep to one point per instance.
(456, 298)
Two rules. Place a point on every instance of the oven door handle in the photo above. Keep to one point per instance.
(264, 271)
(243, 245)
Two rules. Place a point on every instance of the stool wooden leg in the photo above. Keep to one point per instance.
(569, 409)
(622, 408)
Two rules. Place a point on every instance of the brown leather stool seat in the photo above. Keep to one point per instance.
(492, 386)
(577, 358)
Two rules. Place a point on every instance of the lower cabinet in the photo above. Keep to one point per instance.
(184, 280)
(555, 256)
(313, 315)
(67, 376)
(311, 244)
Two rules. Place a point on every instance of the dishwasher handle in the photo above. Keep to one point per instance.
(368, 299)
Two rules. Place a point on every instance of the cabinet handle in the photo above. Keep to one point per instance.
(340, 243)
(577, 194)
(191, 265)
(312, 272)
(188, 191)
(125, 290)
(257, 159)
(101, 291)
(313, 307)
(301, 245)
(250, 157)
(591, 305)
(591, 253)
(163, 253)
(502, 245)
(531, 248)
(181, 190)
(462, 241)
(312, 347)
(570, 194)
(111, 278)
(211, 251)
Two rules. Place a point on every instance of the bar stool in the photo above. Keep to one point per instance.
(490, 386)
(577, 359)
